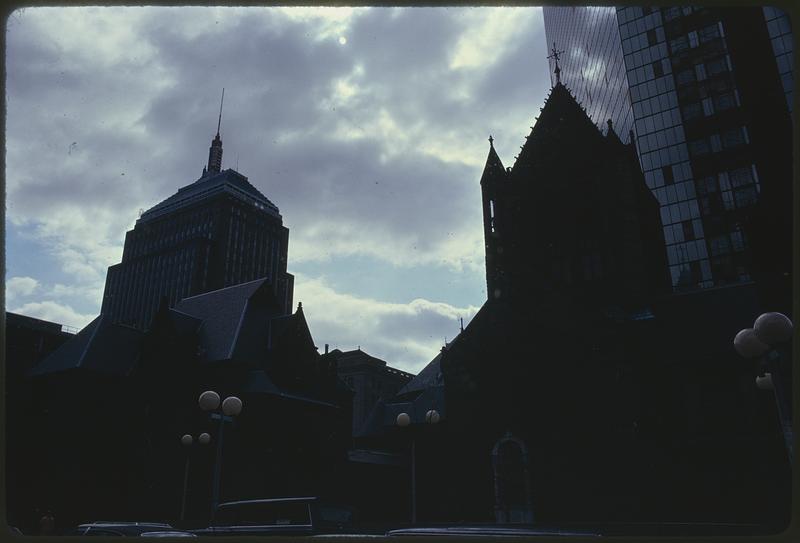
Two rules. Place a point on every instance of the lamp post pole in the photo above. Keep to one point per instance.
(774, 361)
(404, 420)
(770, 337)
(413, 480)
(187, 441)
(217, 467)
(231, 406)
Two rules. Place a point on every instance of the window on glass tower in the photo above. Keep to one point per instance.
(671, 13)
(700, 71)
(688, 230)
(737, 240)
(658, 69)
(711, 204)
(720, 245)
(746, 196)
(709, 33)
(652, 38)
(679, 44)
(724, 101)
(708, 107)
(696, 272)
(741, 176)
(685, 77)
(691, 111)
(699, 147)
(733, 137)
(669, 175)
(716, 143)
(707, 185)
(716, 66)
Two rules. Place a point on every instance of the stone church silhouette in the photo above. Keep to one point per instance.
(571, 396)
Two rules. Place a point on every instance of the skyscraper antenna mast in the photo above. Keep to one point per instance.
(215, 151)
(219, 122)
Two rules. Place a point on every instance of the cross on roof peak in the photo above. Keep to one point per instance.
(554, 55)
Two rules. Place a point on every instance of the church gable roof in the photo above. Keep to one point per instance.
(182, 323)
(430, 375)
(291, 339)
(101, 347)
(223, 313)
(561, 117)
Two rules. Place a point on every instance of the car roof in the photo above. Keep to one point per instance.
(270, 500)
(168, 533)
(486, 531)
(112, 524)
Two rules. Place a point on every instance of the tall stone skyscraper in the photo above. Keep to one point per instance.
(216, 232)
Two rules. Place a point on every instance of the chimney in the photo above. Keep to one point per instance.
(326, 348)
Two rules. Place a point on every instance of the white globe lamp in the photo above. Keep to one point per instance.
(772, 328)
(209, 400)
(748, 345)
(232, 406)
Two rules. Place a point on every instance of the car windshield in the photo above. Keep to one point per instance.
(264, 513)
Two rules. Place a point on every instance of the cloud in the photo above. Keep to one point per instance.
(20, 286)
(55, 312)
(490, 34)
(78, 293)
(406, 335)
(371, 148)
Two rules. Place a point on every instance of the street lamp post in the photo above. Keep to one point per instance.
(187, 441)
(404, 420)
(768, 338)
(231, 406)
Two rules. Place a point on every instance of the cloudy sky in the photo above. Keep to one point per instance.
(366, 127)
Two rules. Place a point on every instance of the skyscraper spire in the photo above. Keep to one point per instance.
(215, 152)
(219, 121)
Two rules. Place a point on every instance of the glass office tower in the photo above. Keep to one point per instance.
(780, 33)
(701, 85)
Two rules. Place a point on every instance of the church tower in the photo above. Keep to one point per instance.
(492, 184)
(572, 215)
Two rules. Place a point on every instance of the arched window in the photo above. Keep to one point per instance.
(512, 490)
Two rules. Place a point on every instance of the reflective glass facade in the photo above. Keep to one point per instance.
(691, 125)
(592, 65)
(780, 33)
